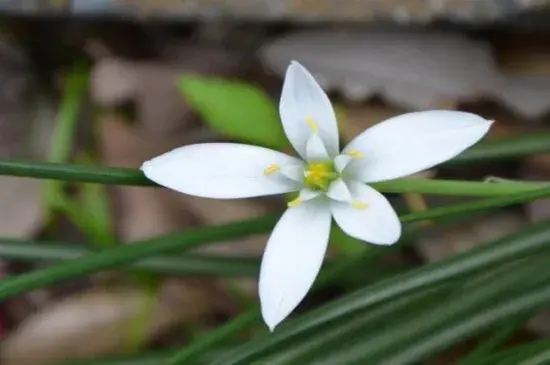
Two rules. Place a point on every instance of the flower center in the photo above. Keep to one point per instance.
(319, 175)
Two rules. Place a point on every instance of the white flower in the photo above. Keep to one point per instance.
(331, 183)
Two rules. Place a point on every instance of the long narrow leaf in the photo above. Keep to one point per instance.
(522, 304)
(21, 250)
(527, 241)
(129, 253)
(503, 284)
(126, 176)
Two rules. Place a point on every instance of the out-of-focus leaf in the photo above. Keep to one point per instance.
(527, 241)
(346, 244)
(150, 358)
(512, 355)
(502, 284)
(320, 343)
(96, 219)
(235, 109)
(150, 85)
(498, 312)
(22, 212)
(63, 134)
(497, 338)
(99, 323)
(363, 63)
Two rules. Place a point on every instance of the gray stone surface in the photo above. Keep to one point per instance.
(402, 11)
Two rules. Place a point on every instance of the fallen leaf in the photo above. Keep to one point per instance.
(523, 55)
(22, 210)
(444, 242)
(152, 85)
(141, 212)
(356, 120)
(96, 324)
(527, 96)
(25, 132)
(411, 69)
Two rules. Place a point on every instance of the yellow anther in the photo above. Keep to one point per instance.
(271, 169)
(295, 202)
(312, 125)
(359, 205)
(319, 175)
(355, 154)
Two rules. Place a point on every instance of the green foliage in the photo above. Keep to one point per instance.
(235, 109)
(388, 318)
(527, 242)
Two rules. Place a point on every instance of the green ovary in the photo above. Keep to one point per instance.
(319, 175)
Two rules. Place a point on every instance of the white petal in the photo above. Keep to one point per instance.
(294, 172)
(303, 98)
(315, 149)
(413, 142)
(221, 170)
(308, 194)
(292, 259)
(377, 223)
(341, 162)
(338, 190)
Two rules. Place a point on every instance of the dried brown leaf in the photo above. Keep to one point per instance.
(411, 69)
(441, 243)
(142, 212)
(152, 85)
(22, 210)
(99, 323)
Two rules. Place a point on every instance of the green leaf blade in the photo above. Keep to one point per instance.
(237, 110)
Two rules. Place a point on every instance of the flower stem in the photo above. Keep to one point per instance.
(458, 187)
(125, 254)
(126, 176)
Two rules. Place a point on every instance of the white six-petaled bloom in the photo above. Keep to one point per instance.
(331, 183)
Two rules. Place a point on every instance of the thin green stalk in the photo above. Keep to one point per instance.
(457, 187)
(126, 176)
(497, 338)
(192, 238)
(75, 173)
(188, 264)
(485, 152)
(521, 304)
(65, 125)
(129, 253)
(541, 357)
(534, 353)
(504, 149)
(504, 283)
(515, 246)
(476, 206)
(94, 216)
(63, 134)
(512, 355)
(316, 345)
(222, 333)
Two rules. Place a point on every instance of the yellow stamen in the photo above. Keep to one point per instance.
(359, 205)
(295, 202)
(355, 154)
(319, 175)
(271, 169)
(312, 125)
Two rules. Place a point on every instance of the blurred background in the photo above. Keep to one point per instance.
(95, 82)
